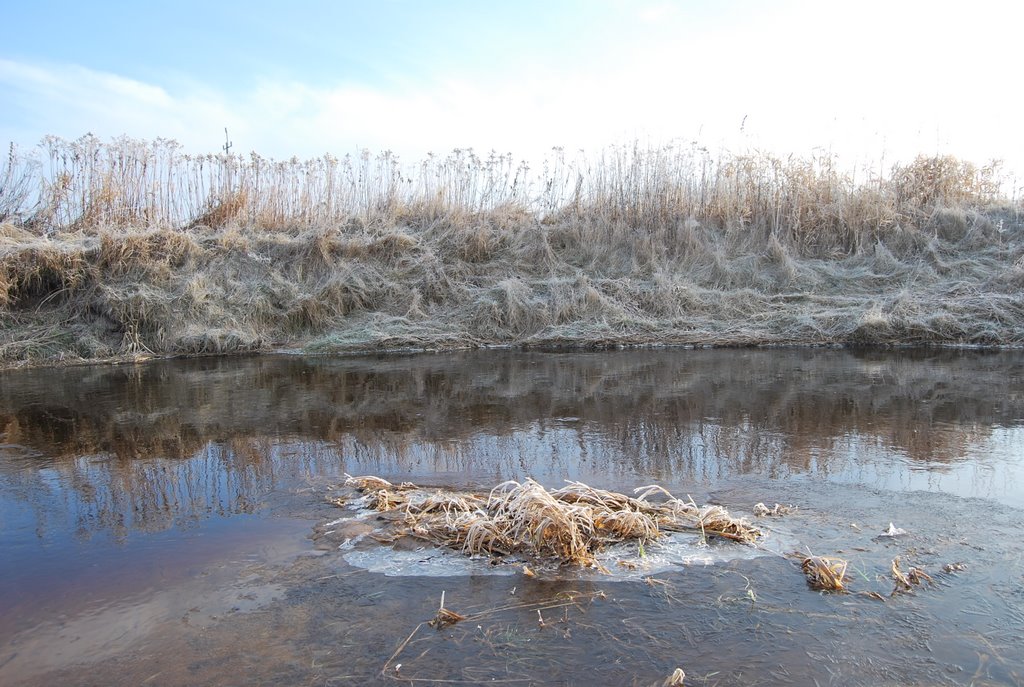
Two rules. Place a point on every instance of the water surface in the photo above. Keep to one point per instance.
(164, 522)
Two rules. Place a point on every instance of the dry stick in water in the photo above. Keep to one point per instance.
(445, 617)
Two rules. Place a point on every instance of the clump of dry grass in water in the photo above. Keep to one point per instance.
(568, 525)
(825, 574)
(381, 494)
(905, 582)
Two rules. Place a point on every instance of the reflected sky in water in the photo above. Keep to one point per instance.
(107, 451)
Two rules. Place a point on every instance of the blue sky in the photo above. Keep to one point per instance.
(868, 79)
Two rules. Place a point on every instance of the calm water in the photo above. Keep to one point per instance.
(167, 523)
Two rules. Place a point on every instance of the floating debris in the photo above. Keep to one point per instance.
(953, 568)
(893, 531)
(675, 679)
(825, 574)
(445, 617)
(568, 525)
(905, 582)
(762, 511)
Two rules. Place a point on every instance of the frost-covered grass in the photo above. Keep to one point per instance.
(127, 247)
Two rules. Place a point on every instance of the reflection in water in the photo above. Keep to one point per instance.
(134, 502)
(153, 446)
(101, 492)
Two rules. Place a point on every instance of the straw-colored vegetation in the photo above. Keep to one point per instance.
(825, 574)
(906, 581)
(132, 247)
(568, 525)
(571, 526)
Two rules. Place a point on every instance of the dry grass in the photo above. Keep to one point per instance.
(445, 617)
(906, 581)
(569, 525)
(825, 574)
(810, 202)
(137, 246)
(676, 679)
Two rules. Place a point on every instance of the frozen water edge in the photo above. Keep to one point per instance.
(623, 561)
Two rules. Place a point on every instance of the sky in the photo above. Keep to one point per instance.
(870, 81)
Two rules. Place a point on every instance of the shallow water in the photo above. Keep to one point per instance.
(167, 523)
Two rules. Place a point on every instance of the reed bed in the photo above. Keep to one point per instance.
(568, 525)
(126, 248)
(89, 184)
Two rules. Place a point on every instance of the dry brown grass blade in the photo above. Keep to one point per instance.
(449, 504)
(643, 493)
(385, 499)
(627, 524)
(477, 533)
(715, 520)
(577, 492)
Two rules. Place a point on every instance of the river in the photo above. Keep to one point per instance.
(168, 523)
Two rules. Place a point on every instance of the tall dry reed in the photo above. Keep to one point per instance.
(809, 202)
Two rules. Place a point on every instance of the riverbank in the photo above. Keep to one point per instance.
(121, 293)
(642, 251)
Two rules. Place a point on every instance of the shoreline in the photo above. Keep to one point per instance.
(560, 348)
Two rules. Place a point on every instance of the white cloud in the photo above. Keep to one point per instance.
(866, 81)
(69, 100)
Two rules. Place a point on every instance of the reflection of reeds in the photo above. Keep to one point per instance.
(103, 494)
(768, 412)
(568, 525)
(641, 413)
